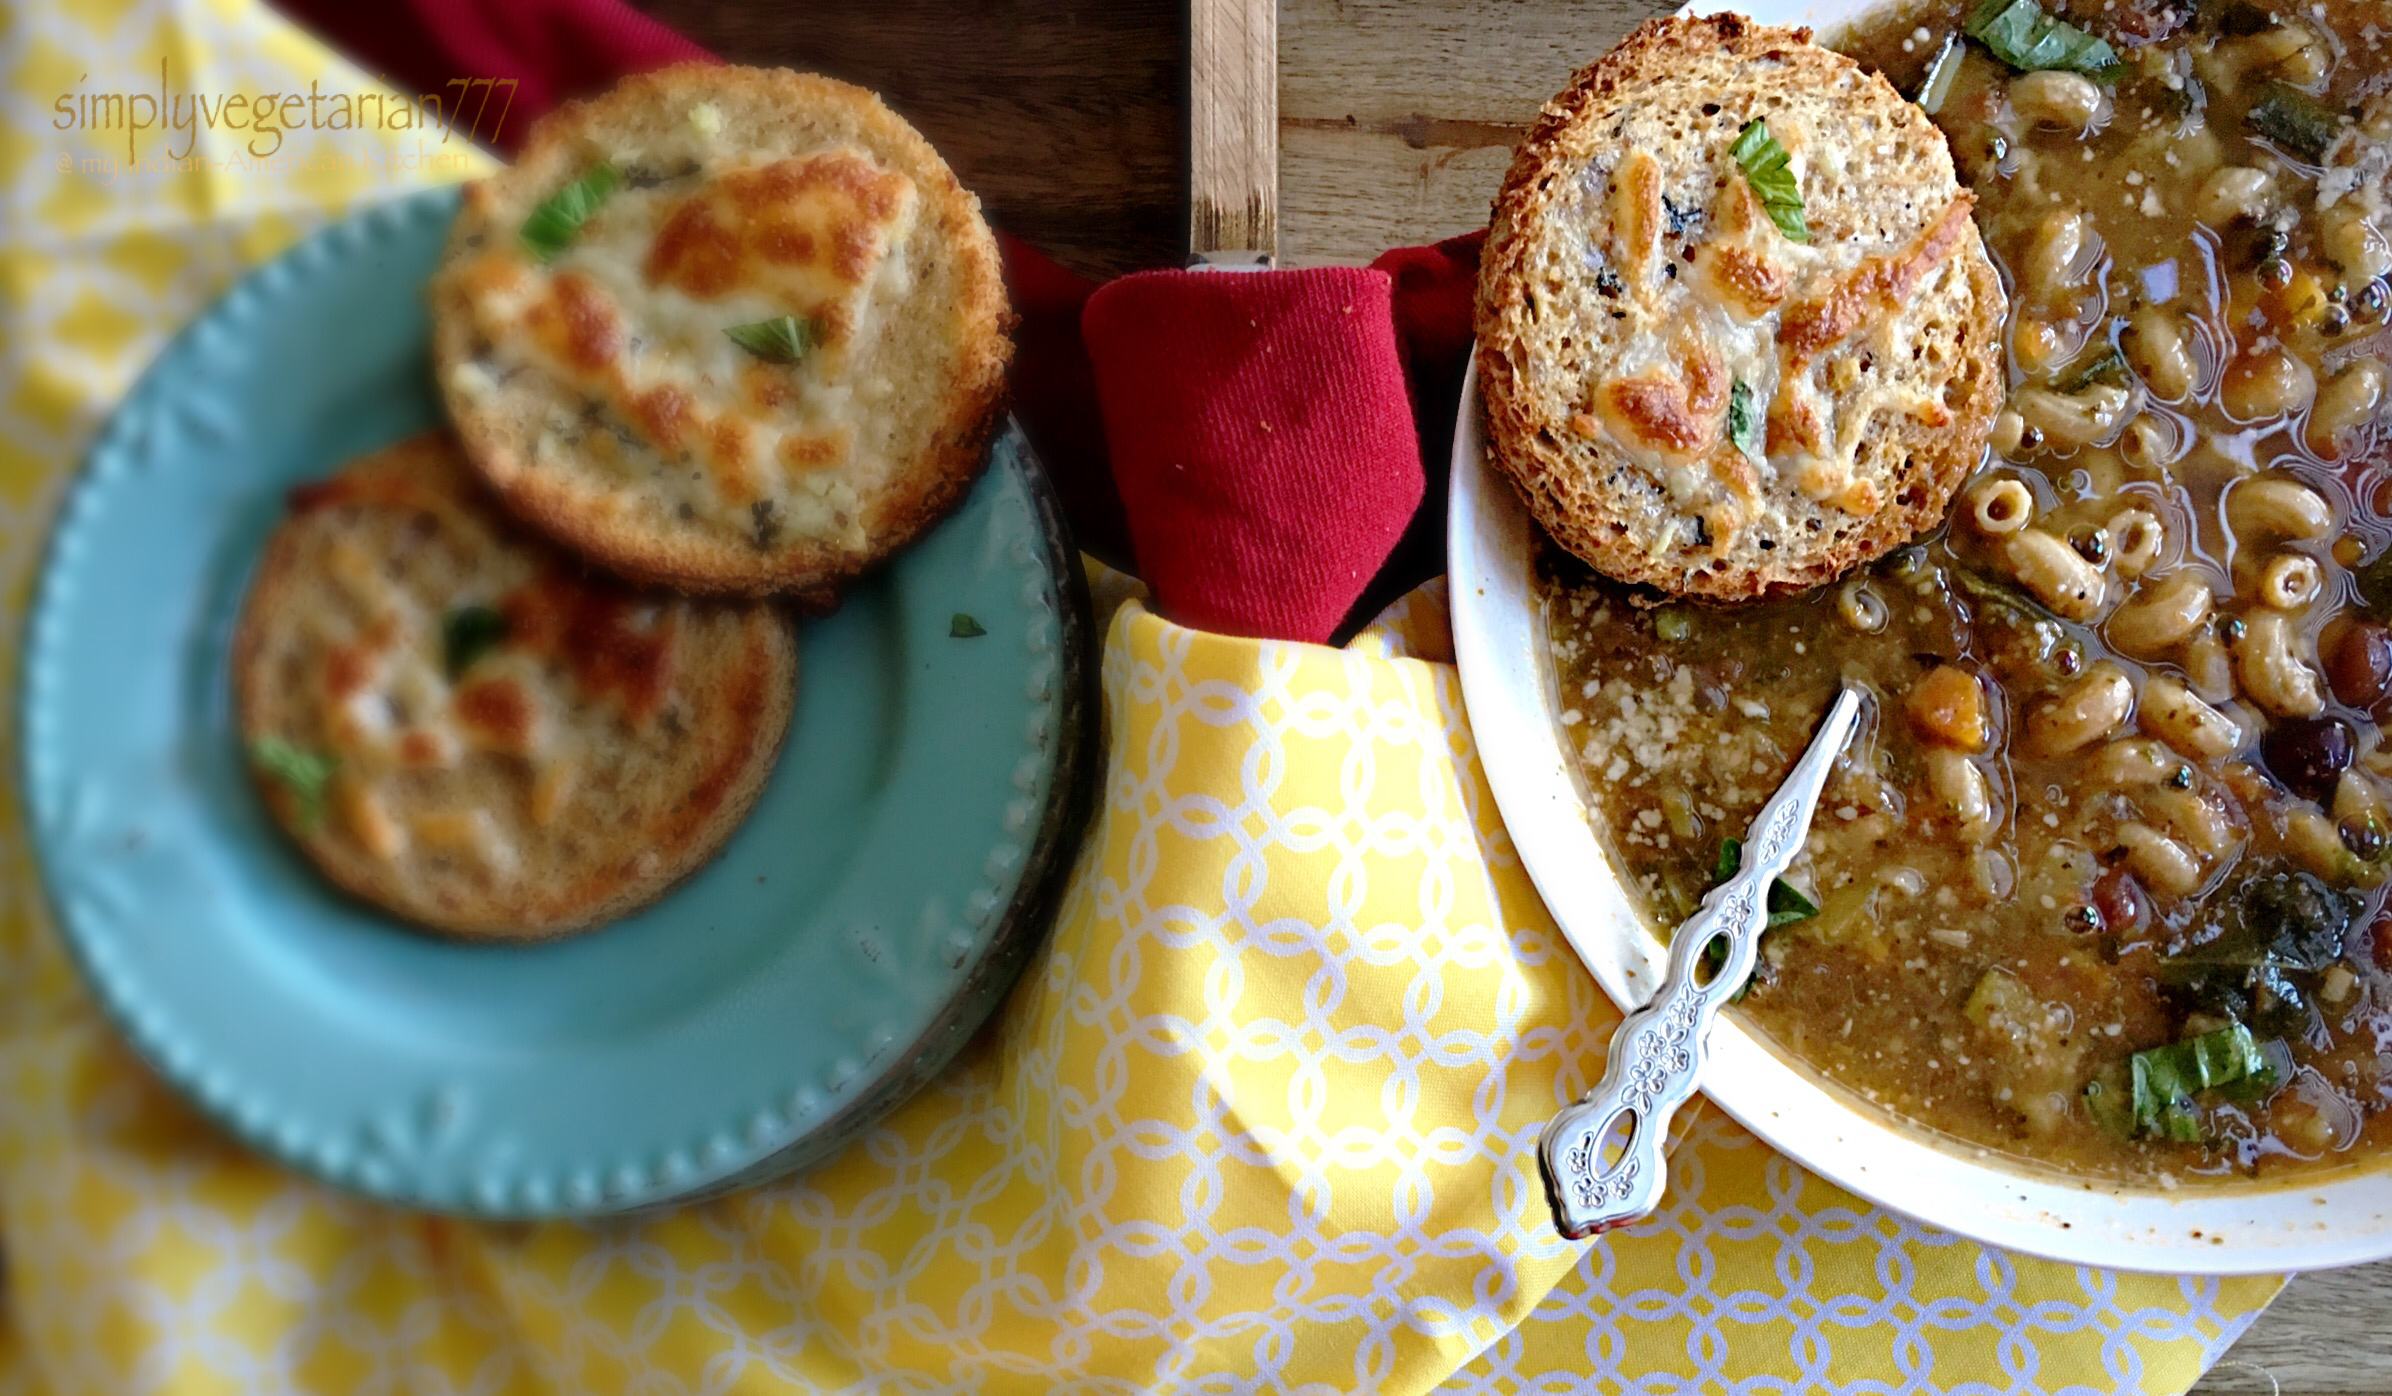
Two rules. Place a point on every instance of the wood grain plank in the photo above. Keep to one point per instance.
(1397, 117)
(2327, 1336)
(1347, 194)
(1233, 126)
(1066, 116)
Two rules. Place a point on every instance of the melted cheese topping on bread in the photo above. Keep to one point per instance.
(1722, 298)
(578, 654)
(632, 316)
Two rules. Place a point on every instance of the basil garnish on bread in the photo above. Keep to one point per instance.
(1769, 170)
(466, 634)
(784, 339)
(553, 225)
(1745, 426)
(304, 773)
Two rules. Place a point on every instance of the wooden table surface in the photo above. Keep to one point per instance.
(1396, 119)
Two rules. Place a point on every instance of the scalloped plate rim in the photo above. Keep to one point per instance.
(1059, 732)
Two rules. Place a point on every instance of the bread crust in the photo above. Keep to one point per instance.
(1685, 88)
(958, 310)
(656, 779)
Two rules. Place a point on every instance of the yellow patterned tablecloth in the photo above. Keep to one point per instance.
(1259, 1119)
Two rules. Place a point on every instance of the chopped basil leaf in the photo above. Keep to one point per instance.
(304, 773)
(2275, 1071)
(783, 339)
(2373, 579)
(1744, 422)
(552, 226)
(2108, 1100)
(2017, 609)
(1715, 958)
(2165, 1079)
(466, 634)
(2109, 366)
(2296, 121)
(1786, 904)
(1768, 169)
(2023, 36)
(963, 627)
(1936, 88)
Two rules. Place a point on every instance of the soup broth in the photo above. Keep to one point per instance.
(2102, 880)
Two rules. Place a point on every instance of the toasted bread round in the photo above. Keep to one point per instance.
(1690, 396)
(468, 727)
(599, 373)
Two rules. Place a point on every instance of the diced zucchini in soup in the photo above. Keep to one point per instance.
(2033, 1042)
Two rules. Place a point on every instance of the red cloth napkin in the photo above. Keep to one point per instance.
(1261, 438)
(1245, 441)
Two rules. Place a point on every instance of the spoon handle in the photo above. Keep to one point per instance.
(1603, 1158)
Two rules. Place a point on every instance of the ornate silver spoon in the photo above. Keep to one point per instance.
(1602, 1157)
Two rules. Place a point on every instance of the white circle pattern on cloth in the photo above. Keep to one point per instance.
(1263, 1118)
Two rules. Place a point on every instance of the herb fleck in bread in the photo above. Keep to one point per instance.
(755, 340)
(460, 723)
(1689, 397)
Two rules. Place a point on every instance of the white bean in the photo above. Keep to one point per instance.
(2197, 151)
(1961, 786)
(2163, 864)
(2161, 350)
(2349, 400)
(2355, 243)
(2293, 53)
(2265, 386)
(2035, 344)
(2009, 433)
(2056, 255)
(2065, 101)
(2178, 716)
(2094, 707)
(2237, 191)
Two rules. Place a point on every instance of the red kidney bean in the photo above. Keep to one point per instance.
(2120, 900)
(2308, 754)
(2358, 656)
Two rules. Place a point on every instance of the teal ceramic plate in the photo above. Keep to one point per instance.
(865, 919)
